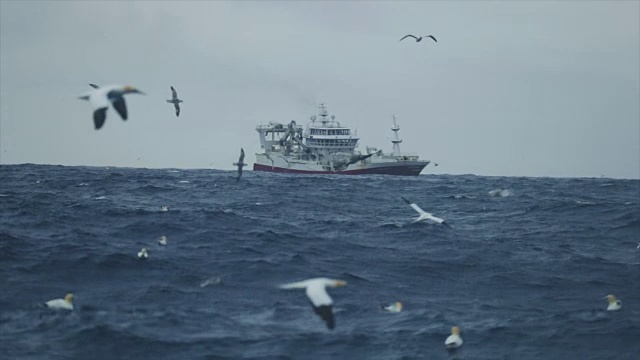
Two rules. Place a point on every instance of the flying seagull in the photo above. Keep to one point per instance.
(317, 294)
(424, 215)
(175, 101)
(418, 39)
(240, 164)
(100, 98)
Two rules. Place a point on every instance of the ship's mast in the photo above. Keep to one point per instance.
(324, 114)
(396, 142)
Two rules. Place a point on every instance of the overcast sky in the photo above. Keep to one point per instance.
(511, 88)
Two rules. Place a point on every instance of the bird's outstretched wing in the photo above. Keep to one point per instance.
(120, 107)
(406, 36)
(174, 94)
(326, 313)
(94, 86)
(415, 207)
(240, 164)
(177, 109)
(99, 116)
(433, 37)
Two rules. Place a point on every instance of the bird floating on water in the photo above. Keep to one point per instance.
(164, 208)
(162, 240)
(143, 254)
(454, 340)
(614, 304)
(425, 215)
(396, 307)
(418, 39)
(320, 300)
(240, 164)
(101, 97)
(175, 101)
(61, 303)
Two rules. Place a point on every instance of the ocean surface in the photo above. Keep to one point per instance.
(523, 271)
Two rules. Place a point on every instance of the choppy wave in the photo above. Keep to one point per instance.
(523, 271)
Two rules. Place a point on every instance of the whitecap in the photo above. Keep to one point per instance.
(183, 182)
(101, 197)
(500, 192)
(210, 281)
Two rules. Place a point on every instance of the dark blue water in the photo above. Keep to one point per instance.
(522, 272)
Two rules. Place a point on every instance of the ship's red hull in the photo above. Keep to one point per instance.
(409, 170)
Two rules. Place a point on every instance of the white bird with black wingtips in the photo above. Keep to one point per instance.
(424, 215)
(101, 97)
(316, 292)
(175, 101)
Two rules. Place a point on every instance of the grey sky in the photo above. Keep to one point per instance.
(511, 88)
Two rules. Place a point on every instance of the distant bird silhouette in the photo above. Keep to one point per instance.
(418, 39)
(240, 164)
(101, 97)
(175, 101)
(94, 86)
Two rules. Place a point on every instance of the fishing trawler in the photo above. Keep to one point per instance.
(327, 147)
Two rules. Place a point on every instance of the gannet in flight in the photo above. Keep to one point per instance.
(61, 303)
(143, 254)
(175, 101)
(454, 340)
(418, 39)
(424, 215)
(396, 307)
(100, 98)
(614, 304)
(320, 300)
(240, 164)
(162, 240)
